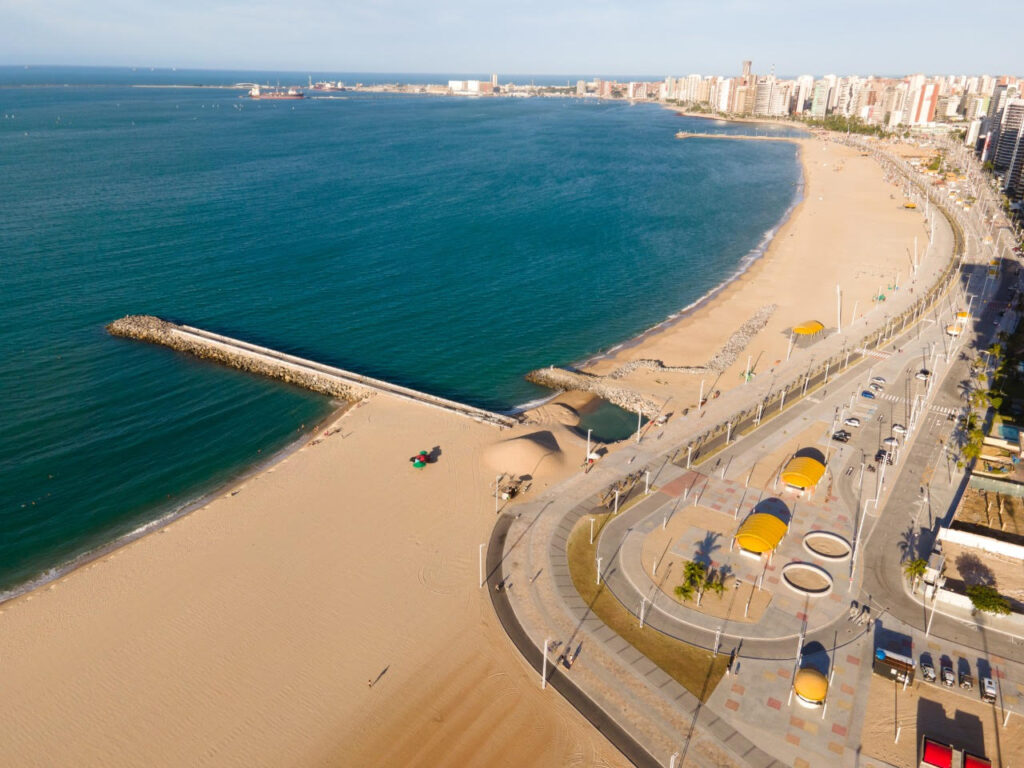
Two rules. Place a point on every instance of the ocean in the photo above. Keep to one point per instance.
(444, 243)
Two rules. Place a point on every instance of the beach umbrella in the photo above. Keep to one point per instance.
(419, 463)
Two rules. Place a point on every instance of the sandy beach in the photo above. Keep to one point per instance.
(850, 229)
(327, 611)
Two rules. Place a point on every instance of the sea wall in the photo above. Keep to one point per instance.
(281, 366)
(156, 331)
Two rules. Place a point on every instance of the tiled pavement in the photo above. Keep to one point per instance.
(789, 612)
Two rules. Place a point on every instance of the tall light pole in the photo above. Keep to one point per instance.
(544, 666)
(481, 566)
(839, 309)
(587, 457)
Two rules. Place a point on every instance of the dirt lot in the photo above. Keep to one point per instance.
(994, 510)
(961, 720)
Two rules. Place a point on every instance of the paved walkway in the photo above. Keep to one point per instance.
(654, 710)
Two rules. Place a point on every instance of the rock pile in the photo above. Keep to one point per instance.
(560, 378)
(156, 331)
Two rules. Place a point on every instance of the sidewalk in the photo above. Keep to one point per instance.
(656, 711)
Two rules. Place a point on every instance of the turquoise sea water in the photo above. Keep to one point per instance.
(443, 243)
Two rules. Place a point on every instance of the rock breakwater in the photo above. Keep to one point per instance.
(263, 361)
(562, 378)
(156, 331)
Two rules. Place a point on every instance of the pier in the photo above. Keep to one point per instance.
(739, 136)
(252, 358)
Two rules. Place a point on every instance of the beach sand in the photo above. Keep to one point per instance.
(850, 229)
(247, 632)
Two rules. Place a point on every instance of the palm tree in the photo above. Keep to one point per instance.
(716, 584)
(695, 573)
(684, 591)
(914, 570)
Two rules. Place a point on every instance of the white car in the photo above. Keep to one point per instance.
(877, 380)
(989, 691)
(923, 374)
(891, 441)
(899, 429)
(853, 421)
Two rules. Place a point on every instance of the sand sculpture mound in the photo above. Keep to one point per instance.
(535, 454)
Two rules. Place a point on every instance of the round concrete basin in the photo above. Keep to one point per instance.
(827, 545)
(807, 579)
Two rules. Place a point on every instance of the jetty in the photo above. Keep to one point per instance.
(309, 374)
(737, 136)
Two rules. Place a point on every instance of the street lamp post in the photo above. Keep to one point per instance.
(544, 666)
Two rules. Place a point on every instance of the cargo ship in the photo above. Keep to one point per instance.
(256, 92)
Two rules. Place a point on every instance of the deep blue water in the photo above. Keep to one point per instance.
(447, 244)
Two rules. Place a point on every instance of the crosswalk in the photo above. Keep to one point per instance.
(875, 353)
(946, 410)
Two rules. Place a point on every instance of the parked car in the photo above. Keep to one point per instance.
(877, 380)
(868, 394)
(989, 691)
(899, 429)
(884, 455)
(852, 421)
(892, 442)
(966, 681)
(923, 375)
(947, 677)
(928, 671)
(875, 387)
(841, 437)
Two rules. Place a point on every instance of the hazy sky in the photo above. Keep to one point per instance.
(654, 37)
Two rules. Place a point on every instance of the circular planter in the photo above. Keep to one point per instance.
(827, 546)
(807, 579)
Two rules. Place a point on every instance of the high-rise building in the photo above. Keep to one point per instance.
(494, 81)
(723, 100)
(973, 132)
(581, 88)
(819, 100)
(1009, 135)
(746, 72)
(804, 90)
(765, 85)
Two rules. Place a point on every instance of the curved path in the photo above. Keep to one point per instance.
(642, 710)
(586, 706)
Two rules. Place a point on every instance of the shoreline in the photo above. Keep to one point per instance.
(744, 265)
(177, 511)
(340, 563)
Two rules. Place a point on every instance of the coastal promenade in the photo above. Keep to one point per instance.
(613, 674)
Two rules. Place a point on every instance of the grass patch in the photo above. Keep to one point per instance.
(697, 670)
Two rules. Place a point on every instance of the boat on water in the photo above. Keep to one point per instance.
(258, 92)
(326, 85)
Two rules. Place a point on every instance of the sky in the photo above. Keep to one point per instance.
(650, 37)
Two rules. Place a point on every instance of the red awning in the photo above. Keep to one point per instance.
(937, 754)
(971, 761)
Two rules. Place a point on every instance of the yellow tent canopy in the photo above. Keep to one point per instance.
(760, 533)
(962, 315)
(808, 328)
(803, 472)
(810, 685)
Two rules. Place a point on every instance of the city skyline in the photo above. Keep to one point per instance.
(459, 37)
